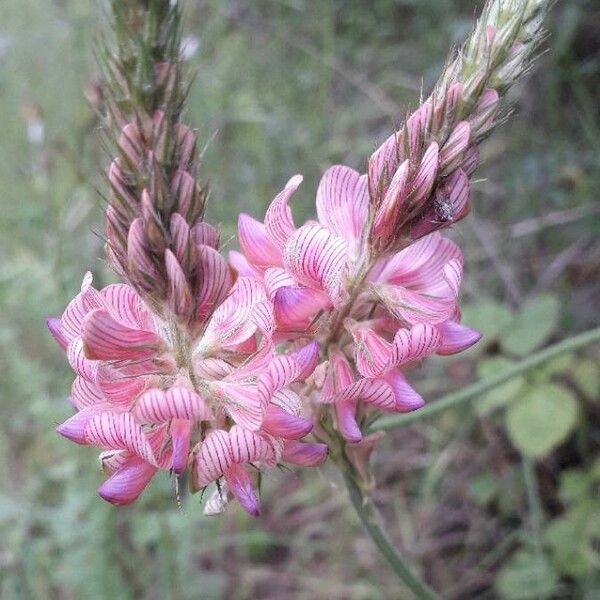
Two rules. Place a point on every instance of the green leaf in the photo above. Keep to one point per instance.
(532, 325)
(526, 575)
(575, 484)
(489, 317)
(484, 488)
(541, 420)
(503, 394)
(571, 539)
(586, 375)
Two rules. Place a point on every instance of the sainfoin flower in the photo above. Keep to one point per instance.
(154, 402)
(383, 311)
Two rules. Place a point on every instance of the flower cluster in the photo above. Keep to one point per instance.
(210, 366)
(221, 404)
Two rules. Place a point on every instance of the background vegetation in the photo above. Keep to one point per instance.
(495, 499)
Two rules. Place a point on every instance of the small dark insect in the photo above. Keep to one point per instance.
(444, 209)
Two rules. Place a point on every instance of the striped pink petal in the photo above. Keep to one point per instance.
(456, 337)
(418, 342)
(256, 243)
(137, 253)
(280, 372)
(417, 126)
(85, 393)
(243, 403)
(317, 258)
(241, 487)
(281, 423)
(180, 294)
(180, 239)
(249, 447)
(118, 387)
(74, 428)
(453, 275)
(119, 431)
(415, 307)
(295, 307)
(107, 339)
(215, 282)
(204, 234)
(126, 306)
(455, 146)
(239, 263)
(87, 300)
(372, 353)
(128, 482)
(342, 203)
(425, 177)
(393, 200)
(83, 366)
(276, 278)
(345, 413)
(383, 163)
(55, 329)
(278, 219)
(180, 435)
(212, 459)
(304, 454)
(157, 406)
(307, 358)
(406, 398)
(339, 376)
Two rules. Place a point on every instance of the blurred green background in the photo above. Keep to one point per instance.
(498, 499)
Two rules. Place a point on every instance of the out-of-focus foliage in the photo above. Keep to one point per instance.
(284, 87)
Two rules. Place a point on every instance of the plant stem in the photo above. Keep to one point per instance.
(365, 509)
(480, 387)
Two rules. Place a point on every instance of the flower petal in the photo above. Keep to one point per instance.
(372, 353)
(305, 454)
(256, 243)
(415, 343)
(248, 447)
(295, 307)
(342, 203)
(281, 423)
(317, 258)
(212, 459)
(406, 398)
(456, 337)
(128, 482)
(107, 339)
(74, 427)
(215, 282)
(241, 487)
(55, 328)
(85, 393)
(278, 219)
(156, 406)
(345, 413)
(180, 434)
(119, 431)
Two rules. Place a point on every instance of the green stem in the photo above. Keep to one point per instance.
(365, 509)
(480, 387)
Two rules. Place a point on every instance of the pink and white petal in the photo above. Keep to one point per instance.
(384, 162)
(241, 487)
(119, 431)
(74, 428)
(55, 328)
(217, 501)
(418, 342)
(276, 278)
(212, 368)
(256, 243)
(345, 413)
(180, 435)
(213, 458)
(342, 202)
(456, 337)
(278, 219)
(243, 403)
(288, 401)
(126, 306)
(307, 359)
(128, 482)
(240, 264)
(215, 283)
(85, 393)
(156, 406)
(393, 200)
(107, 339)
(280, 372)
(317, 258)
(304, 454)
(414, 307)
(180, 239)
(407, 399)
(119, 388)
(179, 293)
(372, 353)
(87, 300)
(339, 376)
(249, 447)
(83, 366)
(453, 271)
(371, 391)
(137, 253)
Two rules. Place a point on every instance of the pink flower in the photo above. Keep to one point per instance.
(405, 310)
(150, 399)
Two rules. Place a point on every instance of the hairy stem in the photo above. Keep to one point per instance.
(480, 387)
(368, 514)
